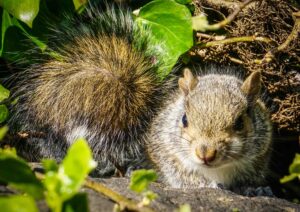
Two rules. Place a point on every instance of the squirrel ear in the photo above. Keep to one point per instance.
(251, 86)
(188, 82)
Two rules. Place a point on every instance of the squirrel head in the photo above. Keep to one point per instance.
(217, 121)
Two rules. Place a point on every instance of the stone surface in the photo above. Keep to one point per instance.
(205, 199)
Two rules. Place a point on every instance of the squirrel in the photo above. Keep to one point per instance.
(214, 131)
(101, 85)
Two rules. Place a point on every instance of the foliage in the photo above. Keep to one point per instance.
(139, 182)
(79, 4)
(170, 22)
(185, 208)
(4, 94)
(17, 203)
(24, 10)
(171, 25)
(294, 170)
(59, 186)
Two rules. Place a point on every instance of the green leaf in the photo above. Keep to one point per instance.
(6, 23)
(4, 93)
(78, 163)
(78, 203)
(18, 175)
(288, 178)
(3, 113)
(24, 10)
(9, 151)
(295, 166)
(50, 165)
(184, 208)
(140, 180)
(149, 196)
(172, 33)
(184, 1)
(200, 22)
(79, 4)
(3, 131)
(18, 203)
(35, 40)
(63, 183)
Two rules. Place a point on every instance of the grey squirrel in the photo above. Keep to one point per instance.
(102, 86)
(214, 131)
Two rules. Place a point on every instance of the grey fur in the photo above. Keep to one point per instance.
(101, 86)
(211, 108)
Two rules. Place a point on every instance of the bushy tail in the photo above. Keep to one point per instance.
(101, 84)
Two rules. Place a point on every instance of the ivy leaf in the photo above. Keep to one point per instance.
(78, 203)
(185, 208)
(4, 93)
(172, 33)
(78, 163)
(294, 170)
(64, 181)
(7, 22)
(17, 203)
(79, 4)
(184, 1)
(18, 175)
(24, 10)
(35, 40)
(3, 113)
(288, 178)
(50, 165)
(295, 166)
(3, 131)
(140, 179)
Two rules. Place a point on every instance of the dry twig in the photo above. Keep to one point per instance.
(230, 18)
(201, 45)
(292, 37)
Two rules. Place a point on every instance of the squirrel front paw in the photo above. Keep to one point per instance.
(255, 192)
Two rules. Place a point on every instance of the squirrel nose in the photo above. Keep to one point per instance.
(206, 154)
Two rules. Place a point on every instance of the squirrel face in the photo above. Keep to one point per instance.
(216, 124)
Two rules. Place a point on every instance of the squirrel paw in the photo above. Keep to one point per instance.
(260, 191)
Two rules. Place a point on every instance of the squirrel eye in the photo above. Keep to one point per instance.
(239, 124)
(184, 121)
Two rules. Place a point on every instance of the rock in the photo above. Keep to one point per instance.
(206, 199)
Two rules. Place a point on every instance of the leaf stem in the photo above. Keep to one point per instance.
(201, 45)
(118, 198)
(230, 18)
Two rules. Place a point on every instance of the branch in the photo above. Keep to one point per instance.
(230, 18)
(232, 40)
(235, 60)
(223, 3)
(293, 36)
(118, 198)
